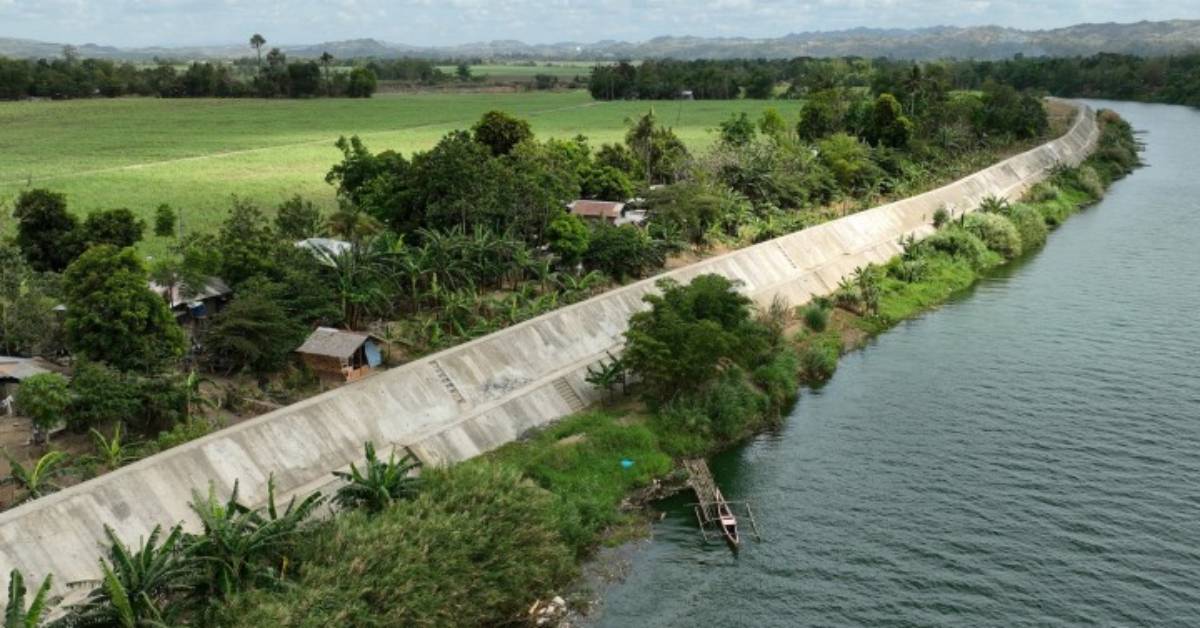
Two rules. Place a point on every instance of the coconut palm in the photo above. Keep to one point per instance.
(326, 59)
(37, 480)
(379, 483)
(16, 614)
(257, 42)
(142, 587)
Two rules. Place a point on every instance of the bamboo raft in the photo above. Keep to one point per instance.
(713, 511)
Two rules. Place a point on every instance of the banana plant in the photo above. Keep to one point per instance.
(140, 587)
(37, 480)
(112, 452)
(16, 614)
(380, 483)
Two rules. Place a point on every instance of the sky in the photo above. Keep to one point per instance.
(445, 22)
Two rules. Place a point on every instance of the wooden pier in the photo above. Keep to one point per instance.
(713, 511)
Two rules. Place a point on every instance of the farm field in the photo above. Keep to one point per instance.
(195, 153)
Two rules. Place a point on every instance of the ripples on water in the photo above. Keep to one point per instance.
(1028, 455)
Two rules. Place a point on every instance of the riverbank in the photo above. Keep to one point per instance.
(549, 500)
(929, 274)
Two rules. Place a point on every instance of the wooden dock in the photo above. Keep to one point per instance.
(710, 501)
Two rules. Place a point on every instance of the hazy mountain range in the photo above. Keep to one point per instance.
(981, 42)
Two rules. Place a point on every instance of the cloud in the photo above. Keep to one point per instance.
(426, 22)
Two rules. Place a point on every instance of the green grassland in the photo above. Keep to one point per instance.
(195, 153)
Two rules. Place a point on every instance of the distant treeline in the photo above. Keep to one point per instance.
(1173, 79)
(274, 77)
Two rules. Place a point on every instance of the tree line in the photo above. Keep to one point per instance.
(271, 77)
(1169, 79)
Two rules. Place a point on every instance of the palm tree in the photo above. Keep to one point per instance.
(16, 615)
(112, 452)
(257, 42)
(38, 480)
(140, 588)
(382, 483)
(326, 59)
(352, 223)
(240, 546)
(360, 279)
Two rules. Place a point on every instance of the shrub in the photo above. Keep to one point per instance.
(1088, 180)
(44, 398)
(940, 217)
(164, 221)
(733, 406)
(997, 233)
(779, 379)
(472, 550)
(816, 317)
(1044, 191)
(1030, 224)
(819, 358)
(956, 242)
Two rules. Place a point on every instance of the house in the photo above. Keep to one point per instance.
(343, 356)
(13, 371)
(609, 211)
(194, 307)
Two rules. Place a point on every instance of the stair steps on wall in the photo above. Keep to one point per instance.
(568, 394)
(447, 382)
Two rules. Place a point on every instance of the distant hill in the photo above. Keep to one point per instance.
(980, 42)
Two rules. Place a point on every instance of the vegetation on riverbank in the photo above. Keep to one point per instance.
(710, 372)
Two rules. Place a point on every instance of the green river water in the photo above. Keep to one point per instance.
(1027, 455)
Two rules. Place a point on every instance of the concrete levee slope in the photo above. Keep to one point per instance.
(475, 397)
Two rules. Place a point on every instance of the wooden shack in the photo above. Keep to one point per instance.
(336, 355)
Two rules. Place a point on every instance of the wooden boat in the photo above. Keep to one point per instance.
(728, 522)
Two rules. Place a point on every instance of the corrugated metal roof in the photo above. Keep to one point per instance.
(213, 287)
(334, 343)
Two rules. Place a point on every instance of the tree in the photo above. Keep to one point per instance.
(362, 83)
(678, 345)
(44, 398)
(37, 480)
(463, 71)
(379, 484)
(661, 152)
(889, 126)
(16, 614)
(621, 252)
(246, 244)
(501, 132)
(112, 315)
(46, 232)
(327, 59)
(849, 160)
(253, 332)
(605, 183)
(568, 237)
(298, 219)
(737, 130)
(773, 125)
(257, 42)
(118, 227)
(164, 221)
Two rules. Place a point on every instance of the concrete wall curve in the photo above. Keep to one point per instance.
(474, 397)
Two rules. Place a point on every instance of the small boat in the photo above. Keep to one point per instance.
(729, 526)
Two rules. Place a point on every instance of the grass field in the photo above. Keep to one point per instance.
(194, 154)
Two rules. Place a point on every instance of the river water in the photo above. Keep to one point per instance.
(1027, 455)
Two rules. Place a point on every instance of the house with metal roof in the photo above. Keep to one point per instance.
(342, 356)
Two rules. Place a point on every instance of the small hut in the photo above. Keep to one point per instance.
(342, 356)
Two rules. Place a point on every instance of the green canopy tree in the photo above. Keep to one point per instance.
(46, 232)
(118, 227)
(501, 132)
(112, 316)
(44, 398)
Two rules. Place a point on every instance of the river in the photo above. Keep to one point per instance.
(1026, 455)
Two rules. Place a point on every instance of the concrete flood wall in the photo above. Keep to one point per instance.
(475, 397)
